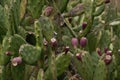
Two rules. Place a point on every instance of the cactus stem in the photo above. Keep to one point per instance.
(70, 28)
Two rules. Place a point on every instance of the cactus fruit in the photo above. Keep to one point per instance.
(29, 53)
(53, 42)
(84, 25)
(74, 42)
(8, 53)
(105, 50)
(108, 59)
(16, 61)
(66, 49)
(109, 53)
(83, 41)
(48, 10)
(78, 55)
(99, 51)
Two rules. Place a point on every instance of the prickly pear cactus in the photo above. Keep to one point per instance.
(47, 28)
(60, 59)
(59, 40)
(40, 75)
(29, 53)
(18, 72)
(62, 4)
(100, 71)
(35, 7)
(85, 66)
(4, 59)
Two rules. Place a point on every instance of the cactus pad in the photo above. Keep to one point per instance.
(29, 53)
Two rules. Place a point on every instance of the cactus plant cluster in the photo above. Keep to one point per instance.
(59, 40)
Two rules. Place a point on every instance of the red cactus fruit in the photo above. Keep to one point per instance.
(109, 52)
(84, 25)
(107, 59)
(99, 51)
(79, 56)
(8, 53)
(67, 48)
(105, 50)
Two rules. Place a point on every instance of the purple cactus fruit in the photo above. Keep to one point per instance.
(99, 51)
(48, 10)
(74, 42)
(84, 25)
(79, 56)
(67, 48)
(107, 59)
(105, 50)
(8, 53)
(16, 61)
(83, 41)
(109, 52)
(53, 42)
(107, 1)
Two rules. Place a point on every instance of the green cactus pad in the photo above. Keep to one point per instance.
(62, 62)
(18, 72)
(47, 28)
(62, 5)
(6, 72)
(100, 10)
(29, 53)
(14, 15)
(101, 71)
(92, 46)
(85, 66)
(3, 23)
(35, 7)
(13, 43)
(40, 75)
(4, 59)
(51, 73)
(38, 33)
